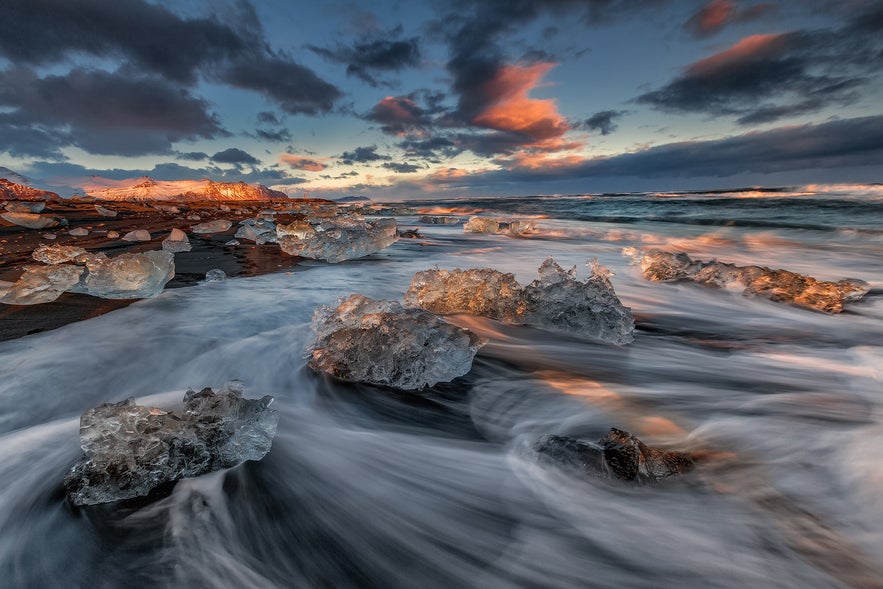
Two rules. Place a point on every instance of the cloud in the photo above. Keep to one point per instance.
(382, 52)
(602, 121)
(276, 135)
(299, 162)
(362, 155)
(99, 112)
(402, 167)
(267, 117)
(399, 115)
(149, 39)
(765, 77)
(718, 14)
(191, 156)
(234, 155)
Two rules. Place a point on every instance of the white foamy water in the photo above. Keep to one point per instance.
(366, 487)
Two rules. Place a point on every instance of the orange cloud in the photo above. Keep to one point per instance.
(511, 109)
(752, 47)
(541, 161)
(714, 15)
(299, 162)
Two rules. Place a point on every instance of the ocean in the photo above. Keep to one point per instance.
(370, 487)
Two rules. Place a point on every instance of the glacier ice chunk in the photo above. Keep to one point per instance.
(501, 226)
(30, 220)
(216, 226)
(557, 300)
(42, 284)
(380, 342)
(25, 207)
(127, 276)
(215, 275)
(130, 449)
(105, 212)
(137, 235)
(777, 285)
(78, 232)
(58, 254)
(177, 241)
(336, 240)
(258, 230)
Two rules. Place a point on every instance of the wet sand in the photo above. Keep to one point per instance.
(207, 252)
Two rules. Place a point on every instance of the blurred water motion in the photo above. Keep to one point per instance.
(369, 487)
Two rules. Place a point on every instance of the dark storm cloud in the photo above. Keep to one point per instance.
(715, 15)
(267, 117)
(191, 156)
(276, 135)
(765, 77)
(100, 112)
(383, 52)
(402, 167)
(234, 155)
(156, 50)
(431, 147)
(602, 121)
(362, 155)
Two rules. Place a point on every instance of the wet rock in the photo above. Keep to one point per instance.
(557, 300)
(130, 449)
(113, 235)
(777, 285)
(42, 284)
(30, 220)
(380, 342)
(619, 454)
(339, 239)
(410, 234)
(216, 226)
(137, 235)
(177, 241)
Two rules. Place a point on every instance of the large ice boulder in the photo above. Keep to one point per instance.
(42, 284)
(338, 239)
(127, 276)
(58, 254)
(130, 449)
(556, 300)
(777, 285)
(216, 226)
(380, 342)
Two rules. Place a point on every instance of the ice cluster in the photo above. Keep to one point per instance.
(618, 454)
(130, 449)
(556, 300)
(380, 342)
(337, 239)
(69, 268)
(777, 285)
(502, 226)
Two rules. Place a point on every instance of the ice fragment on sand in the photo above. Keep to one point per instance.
(137, 235)
(336, 240)
(127, 276)
(777, 285)
(215, 275)
(79, 232)
(42, 284)
(216, 226)
(25, 207)
(49, 236)
(557, 300)
(379, 342)
(130, 449)
(58, 254)
(104, 212)
(176, 242)
(618, 454)
(504, 226)
(30, 220)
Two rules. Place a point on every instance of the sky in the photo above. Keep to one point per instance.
(444, 98)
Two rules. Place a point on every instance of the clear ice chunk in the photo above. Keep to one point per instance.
(216, 226)
(25, 207)
(339, 239)
(380, 342)
(79, 232)
(618, 454)
(105, 212)
(42, 284)
(557, 300)
(177, 241)
(129, 449)
(127, 276)
(58, 254)
(30, 220)
(215, 275)
(137, 235)
(500, 226)
(777, 285)
(258, 230)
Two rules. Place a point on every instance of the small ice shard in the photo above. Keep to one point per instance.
(380, 342)
(42, 284)
(557, 300)
(105, 212)
(216, 226)
(177, 241)
(129, 449)
(618, 454)
(258, 230)
(336, 240)
(215, 275)
(25, 207)
(30, 220)
(232, 243)
(113, 234)
(127, 276)
(79, 232)
(58, 254)
(137, 235)
(49, 236)
(439, 220)
(777, 285)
